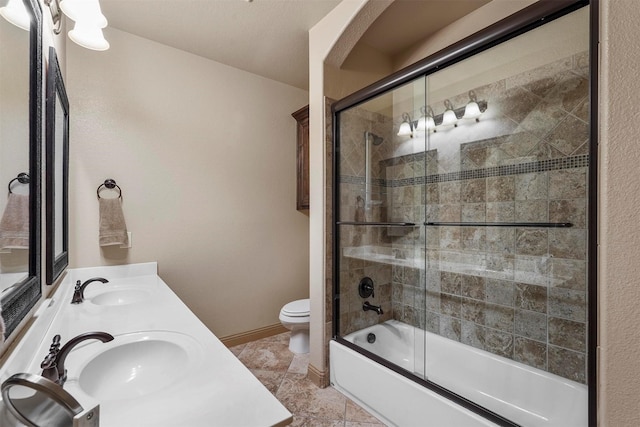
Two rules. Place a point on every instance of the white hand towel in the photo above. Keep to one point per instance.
(14, 226)
(113, 229)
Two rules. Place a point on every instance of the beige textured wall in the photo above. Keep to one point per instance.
(321, 38)
(339, 30)
(206, 157)
(619, 286)
(364, 66)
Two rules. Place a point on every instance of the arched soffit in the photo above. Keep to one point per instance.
(356, 28)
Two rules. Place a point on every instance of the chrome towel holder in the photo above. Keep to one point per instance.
(110, 184)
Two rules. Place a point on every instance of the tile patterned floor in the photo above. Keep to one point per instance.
(285, 375)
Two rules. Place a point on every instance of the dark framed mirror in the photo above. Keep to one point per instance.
(57, 171)
(21, 127)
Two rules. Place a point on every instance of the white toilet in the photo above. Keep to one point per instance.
(295, 317)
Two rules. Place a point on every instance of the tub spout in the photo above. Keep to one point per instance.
(366, 307)
(53, 364)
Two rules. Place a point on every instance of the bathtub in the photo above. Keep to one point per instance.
(522, 394)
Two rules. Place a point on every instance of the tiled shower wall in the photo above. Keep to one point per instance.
(516, 292)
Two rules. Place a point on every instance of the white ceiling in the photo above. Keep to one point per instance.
(270, 37)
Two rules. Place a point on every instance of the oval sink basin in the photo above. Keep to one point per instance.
(139, 364)
(120, 297)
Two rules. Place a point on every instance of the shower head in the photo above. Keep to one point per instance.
(375, 139)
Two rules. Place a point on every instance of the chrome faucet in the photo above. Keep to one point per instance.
(366, 307)
(78, 292)
(53, 364)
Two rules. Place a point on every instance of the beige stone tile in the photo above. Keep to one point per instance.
(530, 352)
(568, 274)
(568, 184)
(569, 91)
(315, 422)
(572, 210)
(270, 379)
(568, 243)
(532, 186)
(532, 211)
(567, 363)
(568, 334)
(270, 356)
(532, 241)
(355, 413)
(568, 304)
(531, 297)
(570, 134)
(237, 349)
(301, 397)
(280, 338)
(353, 424)
(299, 364)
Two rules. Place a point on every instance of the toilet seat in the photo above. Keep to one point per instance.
(295, 316)
(298, 308)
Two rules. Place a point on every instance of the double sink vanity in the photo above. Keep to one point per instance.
(163, 367)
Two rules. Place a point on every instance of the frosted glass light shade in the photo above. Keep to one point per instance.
(88, 36)
(426, 123)
(472, 110)
(405, 129)
(85, 11)
(449, 118)
(16, 13)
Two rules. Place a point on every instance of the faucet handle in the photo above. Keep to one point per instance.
(77, 294)
(55, 344)
(50, 363)
(365, 287)
(50, 367)
(50, 359)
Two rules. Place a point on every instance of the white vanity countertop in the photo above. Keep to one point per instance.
(213, 389)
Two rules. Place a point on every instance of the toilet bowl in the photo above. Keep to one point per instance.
(295, 317)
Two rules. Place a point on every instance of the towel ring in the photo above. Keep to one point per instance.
(22, 178)
(110, 184)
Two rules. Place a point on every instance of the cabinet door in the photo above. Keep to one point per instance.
(302, 117)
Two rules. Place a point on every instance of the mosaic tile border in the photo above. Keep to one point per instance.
(571, 162)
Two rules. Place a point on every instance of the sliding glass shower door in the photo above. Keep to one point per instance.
(506, 217)
(379, 220)
(462, 226)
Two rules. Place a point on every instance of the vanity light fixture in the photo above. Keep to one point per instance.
(89, 23)
(473, 110)
(85, 11)
(89, 36)
(16, 13)
(426, 121)
(449, 116)
(406, 127)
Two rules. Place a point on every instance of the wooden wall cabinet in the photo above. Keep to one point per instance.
(302, 117)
